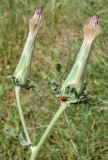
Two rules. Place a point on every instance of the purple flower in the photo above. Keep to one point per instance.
(38, 11)
(94, 20)
(92, 29)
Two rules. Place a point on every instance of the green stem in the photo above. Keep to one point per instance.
(44, 136)
(17, 91)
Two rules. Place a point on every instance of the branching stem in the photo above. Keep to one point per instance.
(44, 136)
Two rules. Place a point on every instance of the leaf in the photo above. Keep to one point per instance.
(23, 141)
(11, 134)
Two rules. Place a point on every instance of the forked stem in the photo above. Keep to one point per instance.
(48, 129)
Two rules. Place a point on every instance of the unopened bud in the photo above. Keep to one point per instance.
(22, 72)
(91, 29)
(34, 22)
(74, 81)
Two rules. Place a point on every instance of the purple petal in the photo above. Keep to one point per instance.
(94, 21)
(38, 11)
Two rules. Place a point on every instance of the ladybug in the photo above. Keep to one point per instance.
(63, 98)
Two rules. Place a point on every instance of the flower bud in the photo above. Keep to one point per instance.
(22, 72)
(91, 29)
(75, 78)
(34, 22)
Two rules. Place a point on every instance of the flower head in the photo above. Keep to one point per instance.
(92, 29)
(74, 85)
(38, 11)
(34, 22)
(22, 72)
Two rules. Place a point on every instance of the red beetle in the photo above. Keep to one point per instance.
(63, 98)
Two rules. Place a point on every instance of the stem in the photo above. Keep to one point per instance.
(17, 91)
(48, 129)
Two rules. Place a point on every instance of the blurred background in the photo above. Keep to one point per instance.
(82, 132)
